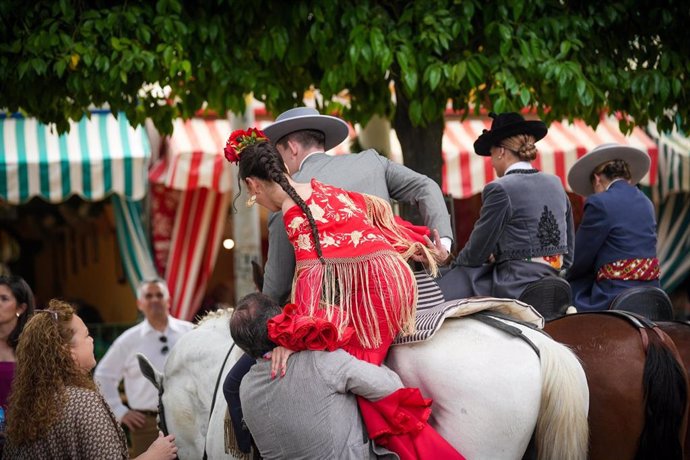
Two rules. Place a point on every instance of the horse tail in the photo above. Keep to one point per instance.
(562, 429)
(665, 394)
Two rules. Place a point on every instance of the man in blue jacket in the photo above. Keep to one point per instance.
(615, 245)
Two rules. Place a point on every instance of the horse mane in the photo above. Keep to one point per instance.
(215, 314)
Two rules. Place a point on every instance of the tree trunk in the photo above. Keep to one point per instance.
(421, 146)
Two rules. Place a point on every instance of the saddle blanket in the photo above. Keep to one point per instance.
(432, 310)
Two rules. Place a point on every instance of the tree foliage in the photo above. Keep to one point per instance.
(561, 58)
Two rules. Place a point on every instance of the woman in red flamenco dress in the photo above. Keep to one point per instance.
(353, 288)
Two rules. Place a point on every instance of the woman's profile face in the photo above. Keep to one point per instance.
(82, 345)
(8, 305)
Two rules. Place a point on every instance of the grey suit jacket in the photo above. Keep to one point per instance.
(366, 172)
(312, 412)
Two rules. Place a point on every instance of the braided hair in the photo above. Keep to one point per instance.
(522, 145)
(262, 160)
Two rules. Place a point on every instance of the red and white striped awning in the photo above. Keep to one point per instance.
(192, 157)
(465, 173)
(195, 159)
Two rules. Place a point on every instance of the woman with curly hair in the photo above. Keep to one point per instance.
(352, 289)
(55, 408)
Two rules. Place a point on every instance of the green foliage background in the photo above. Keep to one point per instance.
(565, 59)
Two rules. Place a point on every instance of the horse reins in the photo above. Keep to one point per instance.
(492, 319)
(215, 393)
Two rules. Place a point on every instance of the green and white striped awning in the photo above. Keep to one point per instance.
(98, 157)
(671, 195)
(674, 162)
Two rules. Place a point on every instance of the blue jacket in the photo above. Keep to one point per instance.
(617, 224)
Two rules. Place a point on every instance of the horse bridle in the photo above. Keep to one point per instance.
(215, 393)
(161, 409)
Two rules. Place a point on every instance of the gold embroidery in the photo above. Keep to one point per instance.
(296, 222)
(318, 212)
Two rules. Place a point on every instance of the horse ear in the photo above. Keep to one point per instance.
(258, 275)
(151, 374)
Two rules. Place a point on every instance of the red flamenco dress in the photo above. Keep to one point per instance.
(359, 300)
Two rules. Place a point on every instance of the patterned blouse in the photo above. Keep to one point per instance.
(87, 430)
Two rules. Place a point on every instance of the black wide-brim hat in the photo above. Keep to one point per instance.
(579, 176)
(507, 125)
(334, 129)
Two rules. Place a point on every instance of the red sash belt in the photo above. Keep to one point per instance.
(630, 269)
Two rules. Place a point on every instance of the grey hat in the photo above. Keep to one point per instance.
(579, 175)
(334, 129)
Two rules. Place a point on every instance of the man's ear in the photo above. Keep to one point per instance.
(293, 148)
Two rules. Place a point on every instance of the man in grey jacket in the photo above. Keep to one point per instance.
(312, 412)
(302, 136)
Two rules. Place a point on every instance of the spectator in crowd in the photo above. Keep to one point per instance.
(153, 337)
(16, 306)
(56, 410)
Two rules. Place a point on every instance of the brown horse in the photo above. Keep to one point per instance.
(638, 385)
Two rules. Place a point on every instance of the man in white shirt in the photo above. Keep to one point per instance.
(154, 337)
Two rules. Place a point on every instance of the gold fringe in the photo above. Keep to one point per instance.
(381, 215)
(334, 286)
(231, 445)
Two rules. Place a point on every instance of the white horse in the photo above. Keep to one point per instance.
(491, 391)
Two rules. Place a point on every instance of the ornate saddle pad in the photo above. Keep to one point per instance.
(432, 310)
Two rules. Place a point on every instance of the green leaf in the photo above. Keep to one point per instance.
(410, 80)
(500, 105)
(581, 85)
(524, 96)
(386, 59)
(460, 71)
(676, 85)
(517, 9)
(377, 40)
(434, 77)
(415, 112)
(504, 32)
(60, 67)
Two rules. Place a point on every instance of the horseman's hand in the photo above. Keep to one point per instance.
(436, 249)
(279, 359)
(163, 448)
(133, 420)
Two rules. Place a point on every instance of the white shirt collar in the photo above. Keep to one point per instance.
(520, 165)
(613, 182)
(305, 159)
(173, 325)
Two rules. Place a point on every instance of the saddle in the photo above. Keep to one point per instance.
(432, 310)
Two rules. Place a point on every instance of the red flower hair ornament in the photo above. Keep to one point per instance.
(239, 140)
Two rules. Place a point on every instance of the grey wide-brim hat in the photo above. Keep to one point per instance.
(579, 175)
(334, 129)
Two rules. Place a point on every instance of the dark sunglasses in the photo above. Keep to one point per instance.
(164, 341)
